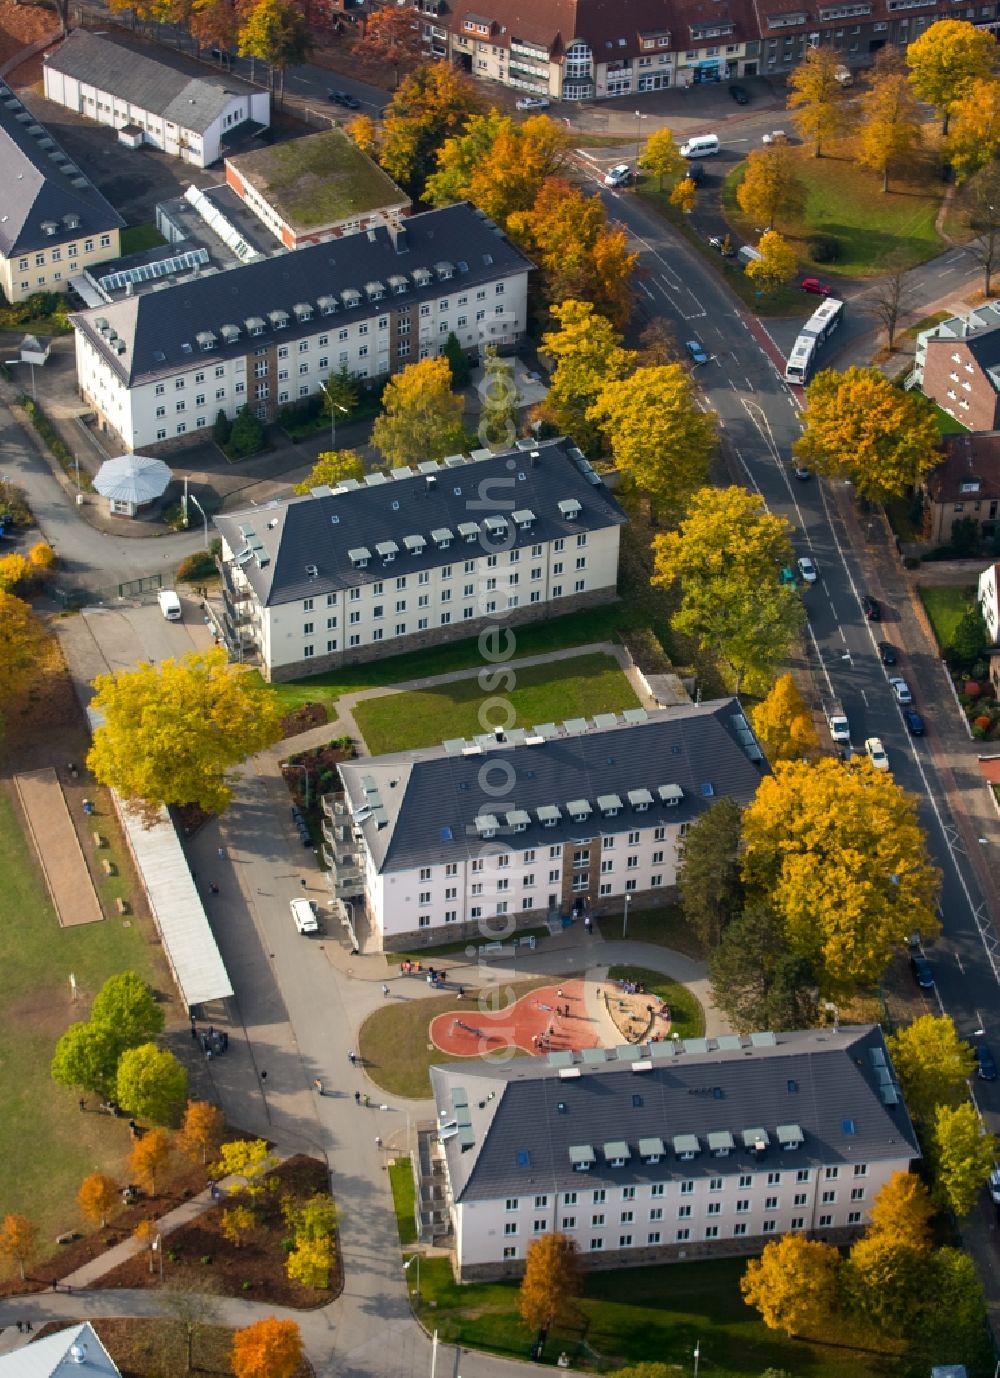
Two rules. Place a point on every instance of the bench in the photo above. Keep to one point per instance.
(110, 869)
(100, 841)
(122, 905)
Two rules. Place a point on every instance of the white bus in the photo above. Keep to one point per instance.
(800, 361)
(825, 319)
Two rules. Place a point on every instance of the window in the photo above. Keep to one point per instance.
(657, 1189)
(742, 1206)
(510, 1227)
(825, 1221)
(800, 1199)
(770, 1203)
(770, 1226)
(857, 1193)
(854, 1217)
(829, 1198)
(861, 1169)
(802, 1175)
(687, 1188)
(746, 1182)
(512, 1203)
(596, 1244)
(831, 1173)
(739, 1229)
(683, 1212)
(774, 1179)
(682, 1235)
(715, 1208)
(307, 629)
(597, 1219)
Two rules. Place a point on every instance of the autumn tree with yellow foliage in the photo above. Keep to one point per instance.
(947, 60)
(589, 356)
(684, 195)
(497, 164)
(861, 426)
(431, 103)
(820, 103)
(97, 1197)
(661, 157)
(551, 1282)
(657, 432)
(267, 1349)
(724, 559)
(771, 188)
(250, 1159)
(884, 1277)
(236, 1223)
(421, 417)
(777, 263)
(891, 127)
(933, 1064)
(332, 467)
(784, 725)
(273, 31)
(974, 140)
(171, 732)
(795, 1285)
(23, 639)
(202, 1131)
(18, 1240)
(962, 1156)
(363, 133)
(839, 853)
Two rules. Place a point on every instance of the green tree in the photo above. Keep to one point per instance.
(246, 436)
(968, 640)
(86, 1056)
(820, 102)
(661, 156)
(932, 1063)
(127, 1005)
(724, 560)
(151, 1083)
(658, 433)
(783, 724)
(432, 103)
(332, 467)
(839, 853)
(777, 263)
(962, 1157)
(588, 355)
(222, 428)
(859, 425)
(771, 186)
(891, 129)
(171, 732)
(710, 876)
(551, 1282)
(500, 402)
(946, 61)
(421, 416)
(794, 1285)
(458, 360)
(340, 393)
(952, 1320)
(756, 981)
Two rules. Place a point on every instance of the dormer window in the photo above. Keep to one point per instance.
(278, 319)
(205, 339)
(303, 311)
(444, 271)
(327, 305)
(524, 518)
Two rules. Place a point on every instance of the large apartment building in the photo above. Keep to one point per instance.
(163, 363)
(957, 365)
(475, 839)
(415, 558)
(669, 1151)
(590, 49)
(54, 221)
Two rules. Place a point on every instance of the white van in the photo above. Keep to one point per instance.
(170, 605)
(748, 255)
(305, 916)
(701, 147)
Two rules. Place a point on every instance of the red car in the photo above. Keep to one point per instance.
(817, 288)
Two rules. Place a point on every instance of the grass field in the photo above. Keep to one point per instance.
(665, 927)
(847, 201)
(395, 1047)
(945, 605)
(404, 1199)
(687, 1018)
(575, 629)
(576, 688)
(946, 424)
(639, 1315)
(47, 1146)
(136, 239)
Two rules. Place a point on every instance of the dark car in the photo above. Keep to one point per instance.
(697, 352)
(870, 608)
(914, 722)
(887, 653)
(985, 1065)
(923, 972)
(740, 95)
(801, 472)
(345, 99)
(695, 173)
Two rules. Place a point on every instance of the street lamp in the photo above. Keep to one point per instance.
(294, 765)
(335, 407)
(414, 1258)
(625, 919)
(157, 1248)
(204, 518)
(639, 117)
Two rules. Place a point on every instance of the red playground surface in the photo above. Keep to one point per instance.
(536, 1023)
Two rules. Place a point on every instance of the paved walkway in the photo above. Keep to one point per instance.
(57, 847)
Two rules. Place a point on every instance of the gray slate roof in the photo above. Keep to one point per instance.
(159, 327)
(318, 532)
(825, 1082)
(191, 103)
(73, 1353)
(432, 798)
(37, 191)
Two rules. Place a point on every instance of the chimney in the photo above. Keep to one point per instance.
(397, 233)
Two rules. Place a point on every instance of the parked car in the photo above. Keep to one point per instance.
(876, 753)
(986, 1067)
(807, 570)
(695, 173)
(344, 98)
(887, 653)
(870, 608)
(740, 95)
(618, 176)
(722, 245)
(697, 351)
(533, 103)
(901, 689)
(995, 1184)
(923, 972)
(914, 722)
(817, 288)
(801, 472)
(776, 136)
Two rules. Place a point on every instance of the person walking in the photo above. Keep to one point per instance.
(318, 1086)
(352, 1058)
(357, 1098)
(385, 991)
(378, 1140)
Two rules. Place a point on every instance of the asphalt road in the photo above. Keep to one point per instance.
(759, 416)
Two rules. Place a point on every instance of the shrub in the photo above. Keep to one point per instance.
(972, 689)
(173, 517)
(200, 565)
(984, 721)
(247, 436)
(978, 732)
(824, 248)
(222, 428)
(14, 505)
(980, 670)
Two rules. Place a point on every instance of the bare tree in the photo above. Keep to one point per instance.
(890, 300)
(190, 1311)
(979, 200)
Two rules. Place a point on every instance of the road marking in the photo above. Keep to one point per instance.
(749, 384)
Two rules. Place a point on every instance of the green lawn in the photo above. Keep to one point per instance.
(687, 1018)
(47, 1146)
(926, 323)
(666, 927)
(644, 1315)
(846, 201)
(536, 638)
(945, 605)
(576, 688)
(404, 1199)
(947, 425)
(136, 239)
(430, 954)
(321, 178)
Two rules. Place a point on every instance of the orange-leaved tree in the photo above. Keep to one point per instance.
(202, 1130)
(97, 1197)
(551, 1282)
(149, 1157)
(267, 1349)
(794, 1285)
(18, 1240)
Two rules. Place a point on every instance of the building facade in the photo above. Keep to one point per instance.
(188, 117)
(957, 365)
(669, 1151)
(315, 188)
(478, 839)
(161, 364)
(55, 223)
(966, 484)
(436, 554)
(590, 50)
